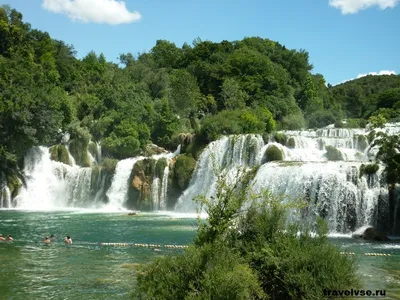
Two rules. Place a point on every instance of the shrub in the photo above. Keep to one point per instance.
(206, 272)
(109, 165)
(293, 122)
(251, 254)
(273, 153)
(333, 154)
(368, 169)
(280, 138)
(320, 119)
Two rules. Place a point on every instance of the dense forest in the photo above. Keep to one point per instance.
(170, 93)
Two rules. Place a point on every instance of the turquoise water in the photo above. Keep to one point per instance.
(87, 270)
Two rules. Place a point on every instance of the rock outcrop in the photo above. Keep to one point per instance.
(371, 234)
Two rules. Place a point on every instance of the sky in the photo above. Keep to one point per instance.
(346, 39)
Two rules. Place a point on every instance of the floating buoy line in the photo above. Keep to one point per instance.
(146, 245)
(157, 246)
(367, 254)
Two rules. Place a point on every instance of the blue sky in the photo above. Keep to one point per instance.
(345, 38)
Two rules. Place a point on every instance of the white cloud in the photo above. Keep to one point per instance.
(354, 6)
(96, 11)
(383, 72)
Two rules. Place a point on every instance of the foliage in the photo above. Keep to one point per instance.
(249, 254)
(280, 138)
(109, 165)
(368, 169)
(389, 154)
(236, 122)
(377, 121)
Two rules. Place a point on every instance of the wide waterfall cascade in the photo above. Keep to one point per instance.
(334, 190)
(52, 185)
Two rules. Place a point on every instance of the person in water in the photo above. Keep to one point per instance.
(9, 237)
(53, 237)
(2, 238)
(46, 240)
(68, 240)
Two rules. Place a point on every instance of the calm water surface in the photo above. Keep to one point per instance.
(87, 270)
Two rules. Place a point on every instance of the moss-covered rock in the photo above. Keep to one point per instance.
(14, 184)
(368, 169)
(280, 138)
(273, 153)
(152, 149)
(92, 147)
(139, 192)
(160, 167)
(78, 147)
(333, 154)
(109, 164)
(362, 142)
(183, 170)
(371, 136)
(60, 153)
(291, 143)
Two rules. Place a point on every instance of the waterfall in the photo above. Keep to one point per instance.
(53, 185)
(118, 192)
(231, 155)
(164, 189)
(334, 190)
(99, 157)
(5, 198)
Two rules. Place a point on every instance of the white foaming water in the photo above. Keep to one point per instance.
(5, 198)
(231, 155)
(118, 192)
(51, 185)
(334, 190)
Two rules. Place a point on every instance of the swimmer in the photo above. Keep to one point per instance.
(9, 237)
(68, 240)
(53, 237)
(46, 240)
(2, 238)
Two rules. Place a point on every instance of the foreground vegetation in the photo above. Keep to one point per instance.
(249, 254)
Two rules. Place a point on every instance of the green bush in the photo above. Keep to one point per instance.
(273, 153)
(109, 165)
(236, 122)
(280, 138)
(320, 118)
(333, 154)
(206, 272)
(293, 122)
(252, 254)
(368, 169)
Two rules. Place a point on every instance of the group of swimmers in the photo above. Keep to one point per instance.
(48, 240)
(9, 238)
